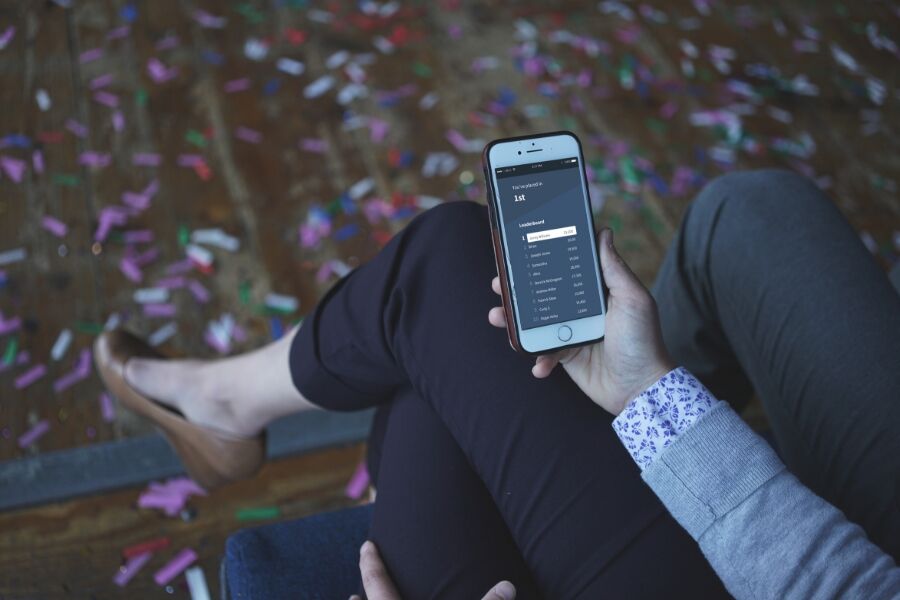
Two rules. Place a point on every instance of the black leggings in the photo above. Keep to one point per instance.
(486, 473)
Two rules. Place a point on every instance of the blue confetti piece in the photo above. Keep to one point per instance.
(213, 58)
(272, 86)
(276, 328)
(404, 212)
(18, 140)
(347, 231)
(507, 97)
(406, 158)
(347, 204)
(658, 184)
(129, 13)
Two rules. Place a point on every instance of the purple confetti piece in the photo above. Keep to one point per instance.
(158, 72)
(172, 282)
(106, 99)
(54, 226)
(248, 135)
(146, 257)
(13, 167)
(107, 408)
(189, 160)
(7, 36)
(101, 81)
(118, 33)
(159, 310)
(138, 236)
(358, 482)
(180, 267)
(221, 346)
(37, 160)
(237, 85)
(81, 371)
(34, 434)
(167, 43)
(199, 292)
(30, 376)
(118, 121)
(131, 567)
(209, 21)
(146, 159)
(90, 55)
(77, 129)
(131, 271)
(182, 560)
(97, 160)
(316, 145)
(378, 130)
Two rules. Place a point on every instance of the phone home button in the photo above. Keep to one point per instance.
(564, 333)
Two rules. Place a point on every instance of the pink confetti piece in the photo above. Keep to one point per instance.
(118, 121)
(180, 267)
(107, 408)
(13, 167)
(106, 99)
(146, 159)
(237, 85)
(130, 270)
(170, 504)
(7, 36)
(77, 129)
(90, 55)
(358, 482)
(220, 346)
(199, 292)
(457, 139)
(182, 560)
(131, 567)
(37, 161)
(324, 272)
(9, 325)
(34, 434)
(54, 226)
(101, 81)
(248, 135)
(316, 145)
(30, 376)
(161, 309)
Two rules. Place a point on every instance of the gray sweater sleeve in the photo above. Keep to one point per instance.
(764, 532)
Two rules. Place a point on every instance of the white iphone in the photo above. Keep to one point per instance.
(545, 244)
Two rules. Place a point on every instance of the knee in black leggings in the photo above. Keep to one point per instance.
(453, 235)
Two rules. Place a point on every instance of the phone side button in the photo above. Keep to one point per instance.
(564, 333)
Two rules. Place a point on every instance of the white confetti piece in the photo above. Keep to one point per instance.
(318, 87)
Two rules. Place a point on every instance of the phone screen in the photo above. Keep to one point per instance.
(549, 242)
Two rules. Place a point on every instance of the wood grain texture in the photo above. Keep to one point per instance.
(73, 549)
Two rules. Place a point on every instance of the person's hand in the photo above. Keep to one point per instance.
(630, 358)
(378, 584)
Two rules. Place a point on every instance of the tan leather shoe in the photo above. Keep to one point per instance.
(212, 458)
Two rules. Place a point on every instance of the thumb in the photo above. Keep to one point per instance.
(618, 277)
(502, 591)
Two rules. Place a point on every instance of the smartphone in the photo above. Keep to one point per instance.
(545, 244)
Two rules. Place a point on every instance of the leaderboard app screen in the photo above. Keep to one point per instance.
(549, 242)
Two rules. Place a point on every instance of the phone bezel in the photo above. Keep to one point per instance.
(514, 151)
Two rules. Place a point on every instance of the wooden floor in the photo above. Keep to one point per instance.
(814, 86)
(73, 549)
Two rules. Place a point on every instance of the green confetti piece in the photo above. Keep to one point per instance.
(334, 207)
(656, 126)
(140, 97)
(12, 347)
(196, 138)
(184, 235)
(244, 292)
(652, 220)
(567, 122)
(87, 327)
(615, 223)
(66, 180)
(250, 13)
(421, 69)
(257, 514)
(628, 172)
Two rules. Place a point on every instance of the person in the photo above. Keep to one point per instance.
(493, 478)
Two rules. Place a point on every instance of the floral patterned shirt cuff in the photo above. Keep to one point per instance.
(661, 413)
